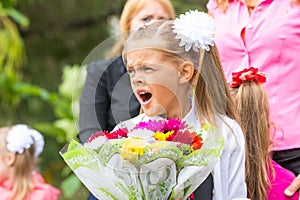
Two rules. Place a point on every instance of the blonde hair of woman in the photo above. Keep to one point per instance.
(131, 8)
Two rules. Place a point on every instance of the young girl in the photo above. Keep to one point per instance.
(175, 72)
(19, 148)
(253, 110)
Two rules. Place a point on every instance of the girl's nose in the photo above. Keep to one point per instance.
(138, 78)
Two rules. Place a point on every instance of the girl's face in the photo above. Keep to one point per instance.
(154, 80)
(151, 11)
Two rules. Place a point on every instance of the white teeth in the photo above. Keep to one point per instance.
(142, 93)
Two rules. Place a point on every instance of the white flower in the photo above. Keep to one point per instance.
(195, 29)
(21, 137)
(142, 133)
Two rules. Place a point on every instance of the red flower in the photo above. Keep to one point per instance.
(183, 137)
(120, 133)
(192, 196)
(250, 74)
(97, 134)
(171, 137)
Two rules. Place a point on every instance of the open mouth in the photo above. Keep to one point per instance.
(145, 96)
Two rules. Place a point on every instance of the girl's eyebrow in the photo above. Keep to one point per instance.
(138, 64)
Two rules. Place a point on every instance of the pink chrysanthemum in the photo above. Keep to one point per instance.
(162, 125)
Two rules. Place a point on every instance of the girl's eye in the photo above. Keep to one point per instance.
(130, 71)
(148, 69)
(146, 19)
(164, 18)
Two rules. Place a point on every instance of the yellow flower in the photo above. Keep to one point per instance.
(132, 148)
(162, 136)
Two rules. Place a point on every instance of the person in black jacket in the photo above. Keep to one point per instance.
(106, 98)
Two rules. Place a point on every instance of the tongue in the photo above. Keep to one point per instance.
(146, 96)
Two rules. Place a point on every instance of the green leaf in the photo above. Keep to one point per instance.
(31, 90)
(76, 156)
(18, 17)
(108, 194)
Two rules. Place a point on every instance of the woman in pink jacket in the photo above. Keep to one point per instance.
(266, 34)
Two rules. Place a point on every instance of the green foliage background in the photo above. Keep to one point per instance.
(42, 47)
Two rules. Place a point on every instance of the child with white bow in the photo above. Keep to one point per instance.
(19, 180)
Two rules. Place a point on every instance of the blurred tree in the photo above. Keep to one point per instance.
(11, 57)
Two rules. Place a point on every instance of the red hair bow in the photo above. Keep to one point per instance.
(250, 74)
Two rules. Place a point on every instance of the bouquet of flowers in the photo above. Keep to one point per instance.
(158, 159)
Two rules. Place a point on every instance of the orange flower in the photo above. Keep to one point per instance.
(197, 142)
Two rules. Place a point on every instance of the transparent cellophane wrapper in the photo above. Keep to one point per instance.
(161, 171)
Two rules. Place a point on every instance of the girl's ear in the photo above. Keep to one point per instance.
(10, 159)
(186, 71)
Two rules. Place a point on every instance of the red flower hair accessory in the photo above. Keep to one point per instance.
(246, 75)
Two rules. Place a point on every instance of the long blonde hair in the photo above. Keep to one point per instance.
(212, 96)
(24, 165)
(253, 110)
(212, 92)
(131, 8)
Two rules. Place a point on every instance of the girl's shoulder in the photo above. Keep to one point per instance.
(231, 123)
(43, 190)
(5, 189)
(232, 132)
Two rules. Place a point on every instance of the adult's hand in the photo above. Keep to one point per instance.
(293, 187)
